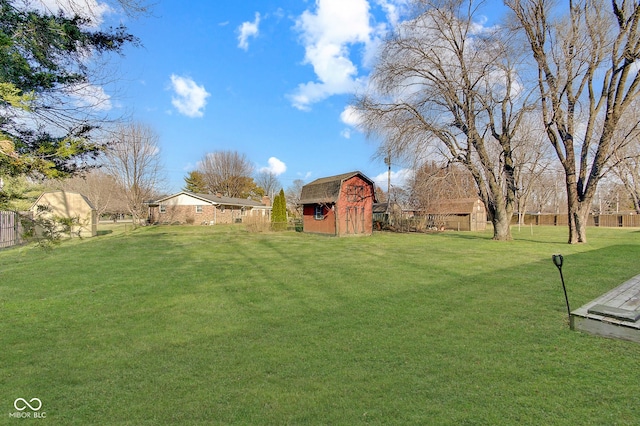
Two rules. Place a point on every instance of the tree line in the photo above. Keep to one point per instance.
(546, 93)
(486, 97)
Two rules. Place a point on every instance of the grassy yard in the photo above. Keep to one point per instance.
(215, 325)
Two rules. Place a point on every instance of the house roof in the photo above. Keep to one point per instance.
(327, 189)
(216, 200)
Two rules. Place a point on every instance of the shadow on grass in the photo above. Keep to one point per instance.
(346, 323)
(105, 232)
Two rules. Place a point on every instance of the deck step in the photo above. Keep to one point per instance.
(618, 313)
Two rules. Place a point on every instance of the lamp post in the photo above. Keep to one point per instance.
(557, 260)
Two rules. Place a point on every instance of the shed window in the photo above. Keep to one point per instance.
(198, 209)
(319, 213)
(162, 208)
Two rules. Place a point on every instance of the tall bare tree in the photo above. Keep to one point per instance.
(628, 173)
(133, 159)
(227, 172)
(100, 188)
(292, 196)
(533, 161)
(626, 168)
(434, 182)
(445, 85)
(547, 194)
(586, 52)
(268, 181)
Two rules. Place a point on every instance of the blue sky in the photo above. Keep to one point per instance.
(270, 79)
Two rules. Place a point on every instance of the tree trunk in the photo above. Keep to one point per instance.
(582, 220)
(501, 220)
(578, 214)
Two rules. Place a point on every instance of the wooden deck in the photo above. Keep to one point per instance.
(615, 314)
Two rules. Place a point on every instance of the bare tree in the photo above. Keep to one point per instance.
(611, 197)
(100, 188)
(269, 182)
(292, 196)
(532, 162)
(627, 159)
(434, 182)
(444, 85)
(548, 194)
(133, 159)
(228, 173)
(628, 173)
(586, 61)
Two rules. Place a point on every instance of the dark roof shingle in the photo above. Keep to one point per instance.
(327, 189)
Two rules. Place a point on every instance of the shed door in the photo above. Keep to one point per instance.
(355, 220)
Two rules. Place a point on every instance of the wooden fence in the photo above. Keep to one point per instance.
(10, 229)
(618, 220)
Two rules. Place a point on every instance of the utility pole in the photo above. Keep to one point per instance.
(387, 161)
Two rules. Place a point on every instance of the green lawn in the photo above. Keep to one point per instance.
(215, 325)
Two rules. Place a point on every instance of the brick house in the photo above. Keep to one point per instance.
(338, 205)
(206, 209)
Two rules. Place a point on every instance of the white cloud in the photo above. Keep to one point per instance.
(393, 9)
(350, 116)
(246, 30)
(190, 99)
(398, 178)
(327, 35)
(276, 167)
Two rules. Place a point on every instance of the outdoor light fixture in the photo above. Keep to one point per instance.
(558, 260)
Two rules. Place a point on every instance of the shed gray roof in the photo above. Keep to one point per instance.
(327, 189)
(380, 207)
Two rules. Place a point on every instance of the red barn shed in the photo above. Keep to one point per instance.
(339, 205)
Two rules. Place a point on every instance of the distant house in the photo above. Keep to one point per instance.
(339, 205)
(463, 214)
(206, 209)
(385, 213)
(68, 205)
